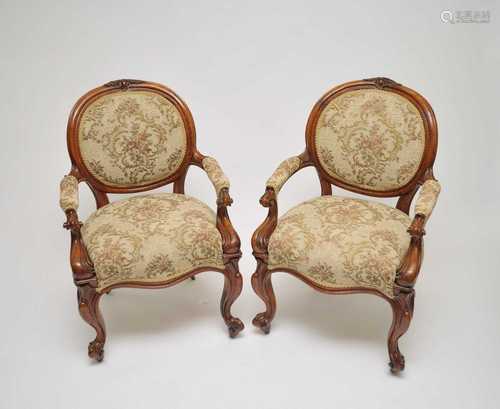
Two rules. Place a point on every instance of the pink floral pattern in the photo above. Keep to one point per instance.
(68, 198)
(215, 174)
(130, 138)
(152, 238)
(283, 172)
(342, 243)
(427, 197)
(372, 139)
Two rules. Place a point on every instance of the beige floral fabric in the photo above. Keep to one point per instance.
(339, 242)
(371, 138)
(283, 172)
(68, 194)
(130, 138)
(151, 238)
(215, 173)
(427, 197)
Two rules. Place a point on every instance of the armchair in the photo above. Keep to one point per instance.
(132, 136)
(373, 137)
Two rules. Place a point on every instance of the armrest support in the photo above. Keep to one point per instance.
(81, 265)
(260, 238)
(283, 172)
(230, 240)
(269, 198)
(409, 270)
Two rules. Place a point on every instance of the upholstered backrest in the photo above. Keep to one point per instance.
(370, 137)
(129, 137)
(132, 137)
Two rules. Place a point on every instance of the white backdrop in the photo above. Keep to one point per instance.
(250, 72)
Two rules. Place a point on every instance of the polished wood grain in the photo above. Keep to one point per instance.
(407, 274)
(84, 275)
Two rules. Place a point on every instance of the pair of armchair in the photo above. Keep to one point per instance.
(373, 136)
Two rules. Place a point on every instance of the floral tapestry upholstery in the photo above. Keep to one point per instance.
(339, 242)
(151, 238)
(132, 138)
(427, 197)
(68, 193)
(283, 172)
(369, 138)
(215, 173)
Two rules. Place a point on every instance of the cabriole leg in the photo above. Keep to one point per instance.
(402, 308)
(261, 283)
(88, 306)
(233, 283)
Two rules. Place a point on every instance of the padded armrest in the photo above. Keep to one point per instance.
(427, 197)
(68, 198)
(283, 172)
(215, 174)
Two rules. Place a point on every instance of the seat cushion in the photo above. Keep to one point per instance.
(341, 242)
(151, 238)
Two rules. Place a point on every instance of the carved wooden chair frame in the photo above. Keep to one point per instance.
(406, 276)
(84, 275)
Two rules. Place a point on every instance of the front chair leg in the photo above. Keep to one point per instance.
(263, 287)
(88, 305)
(233, 283)
(402, 308)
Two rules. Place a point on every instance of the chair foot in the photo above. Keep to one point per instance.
(88, 306)
(261, 283)
(235, 326)
(398, 364)
(402, 308)
(193, 278)
(260, 321)
(233, 284)
(96, 350)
